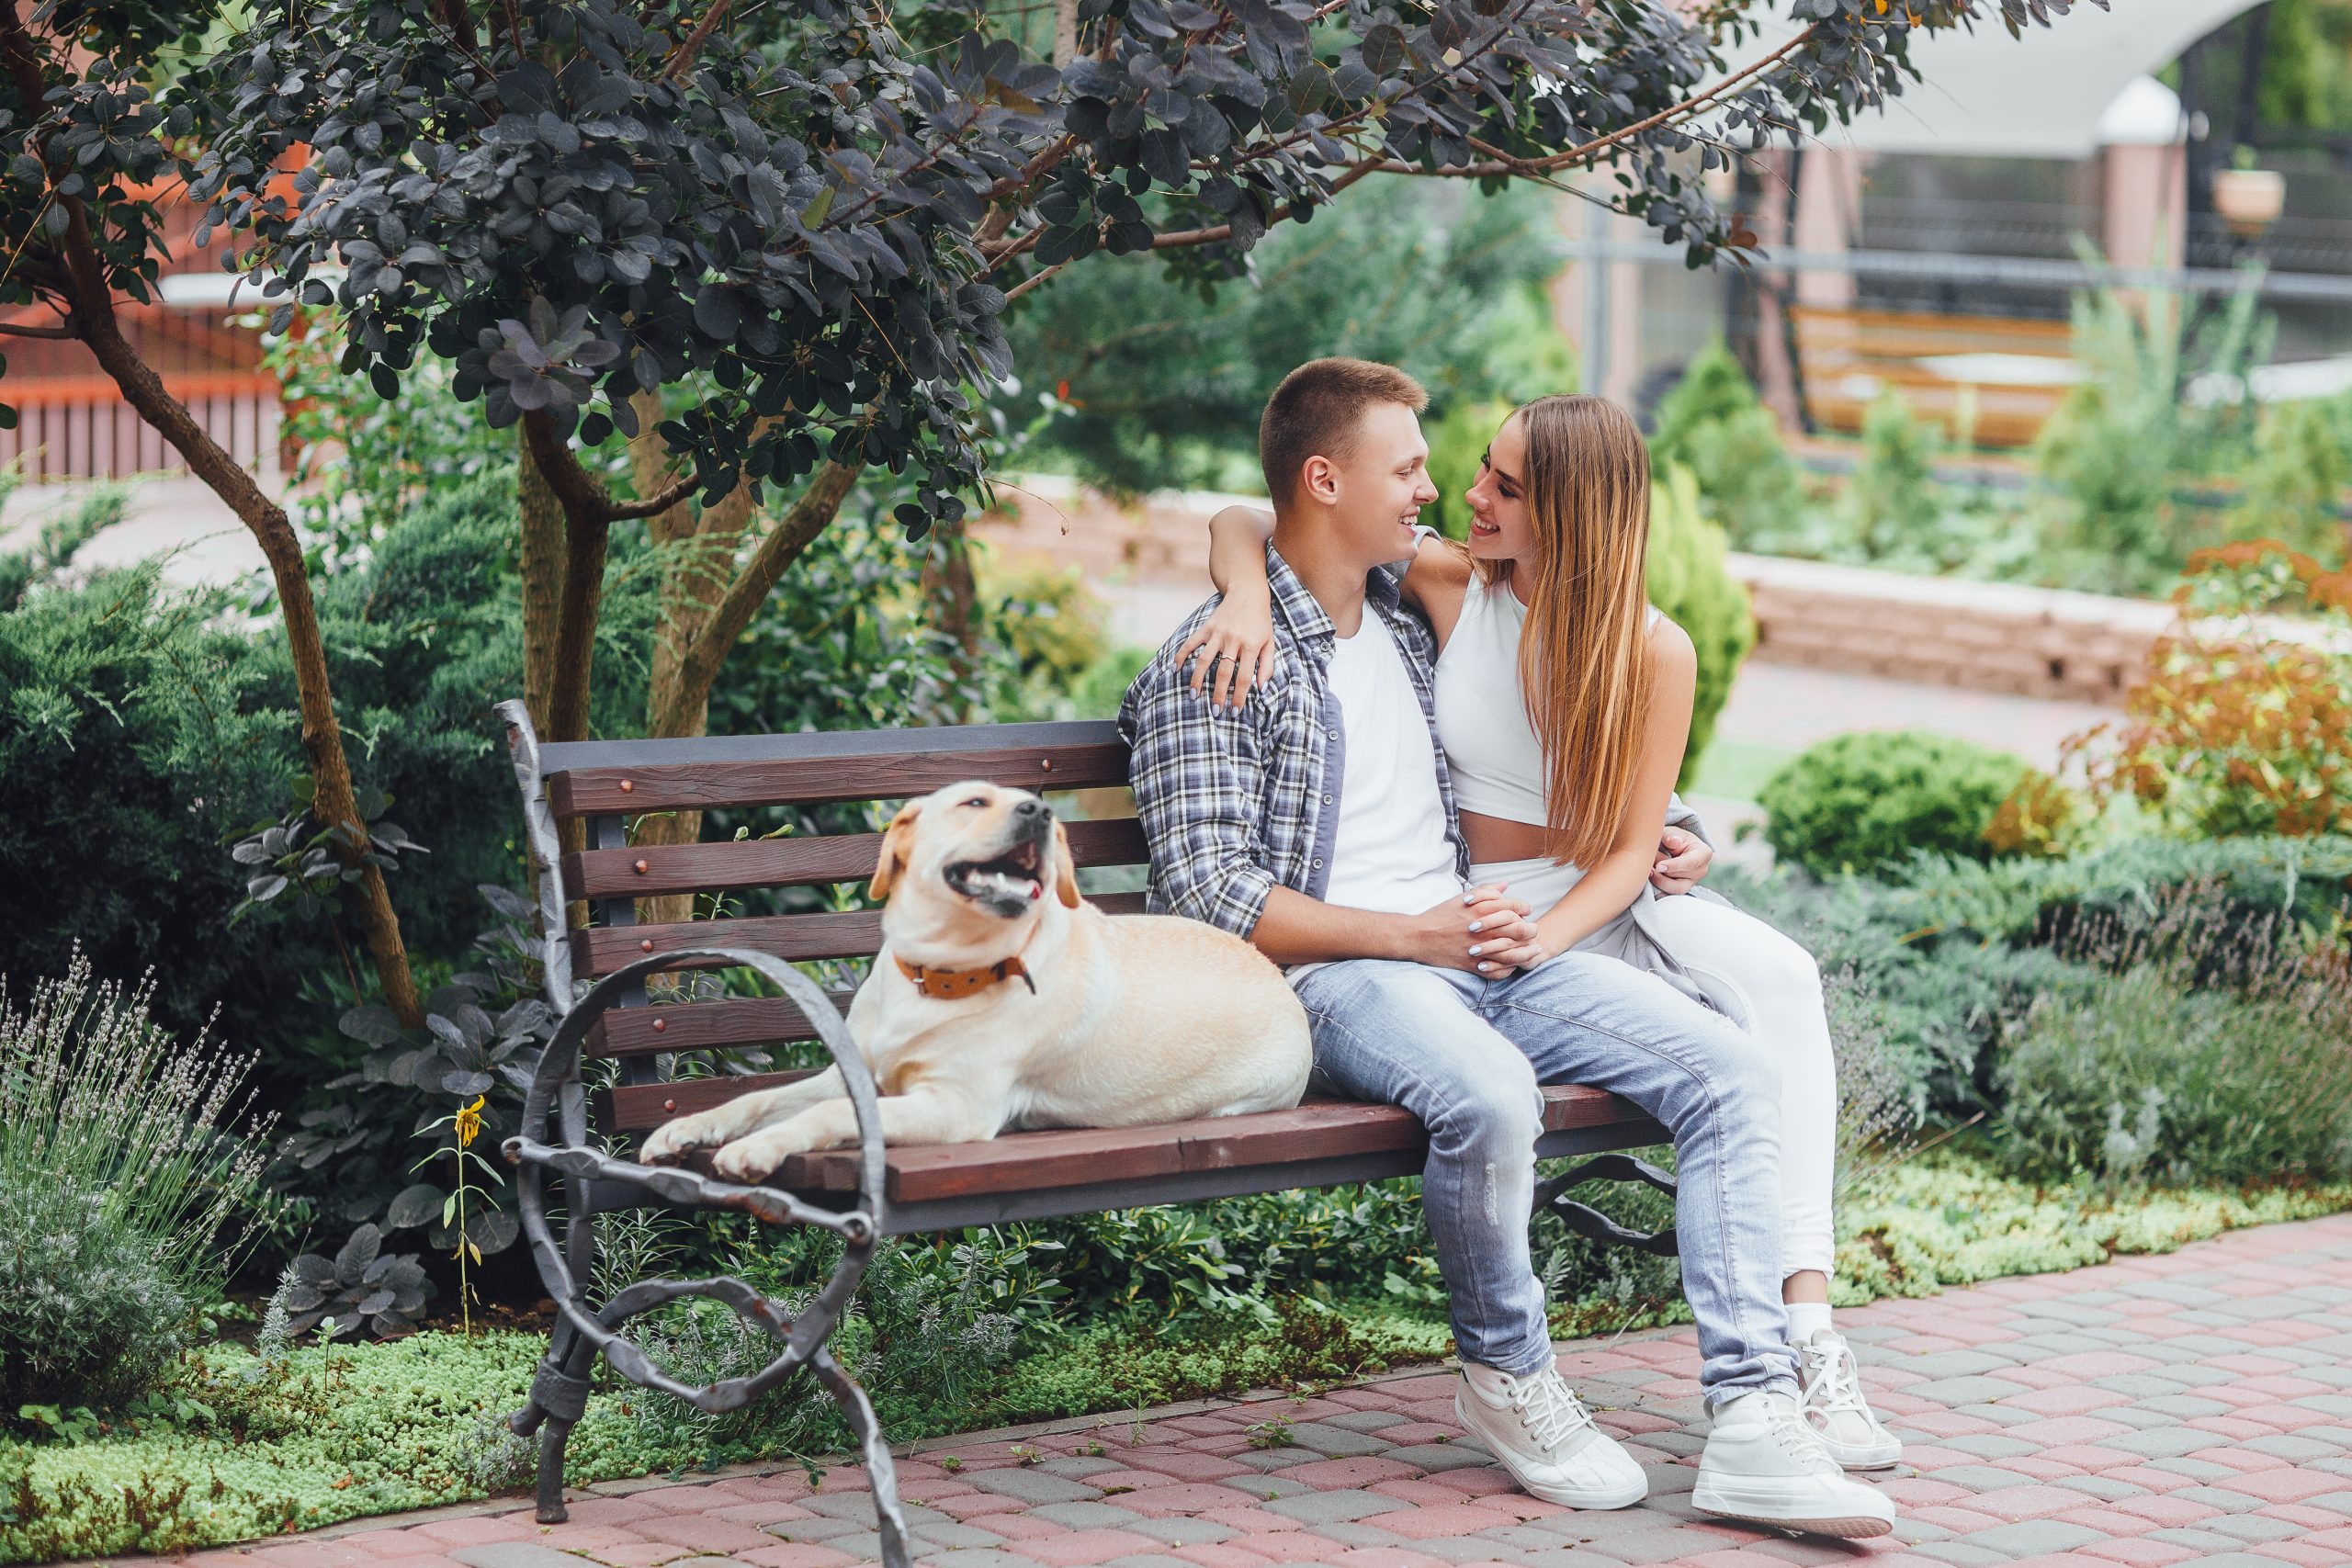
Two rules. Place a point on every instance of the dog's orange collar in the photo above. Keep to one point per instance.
(947, 985)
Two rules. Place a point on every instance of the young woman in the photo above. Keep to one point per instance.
(1563, 706)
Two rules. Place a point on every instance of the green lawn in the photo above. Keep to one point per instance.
(1735, 770)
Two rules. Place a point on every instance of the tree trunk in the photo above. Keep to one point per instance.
(332, 802)
(542, 574)
(950, 592)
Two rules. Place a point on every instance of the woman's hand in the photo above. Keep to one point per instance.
(1235, 644)
(1505, 936)
(1470, 932)
(1682, 861)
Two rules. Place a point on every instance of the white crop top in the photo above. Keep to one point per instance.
(1490, 748)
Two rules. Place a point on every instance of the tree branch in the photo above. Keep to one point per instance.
(777, 548)
(653, 505)
(583, 498)
(58, 331)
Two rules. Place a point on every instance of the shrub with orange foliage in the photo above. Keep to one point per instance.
(2243, 723)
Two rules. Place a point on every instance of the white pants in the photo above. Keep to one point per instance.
(1770, 986)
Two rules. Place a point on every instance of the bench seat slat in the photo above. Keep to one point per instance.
(600, 950)
(1022, 1162)
(811, 781)
(791, 863)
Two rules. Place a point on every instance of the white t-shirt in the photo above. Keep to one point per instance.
(1391, 853)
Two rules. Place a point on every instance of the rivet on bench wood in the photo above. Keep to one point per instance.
(669, 1106)
(659, 1025)
(645, 946)
(1046, 764)
(641, 868)
(627, 784)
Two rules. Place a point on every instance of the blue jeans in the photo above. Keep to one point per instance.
(1466, 1055)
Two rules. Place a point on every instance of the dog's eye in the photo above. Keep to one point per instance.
(977, 800)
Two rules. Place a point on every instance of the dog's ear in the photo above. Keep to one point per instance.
(897, 843)
(1065, 867)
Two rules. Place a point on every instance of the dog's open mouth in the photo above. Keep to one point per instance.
(1009, 883)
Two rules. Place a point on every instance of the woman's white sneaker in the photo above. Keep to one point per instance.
(1763, 1465)
(1545, 1437)
(1830, 1400)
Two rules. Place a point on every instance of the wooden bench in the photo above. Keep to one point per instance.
(869, 1192)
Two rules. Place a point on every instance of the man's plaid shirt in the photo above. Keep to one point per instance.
(1235, 801)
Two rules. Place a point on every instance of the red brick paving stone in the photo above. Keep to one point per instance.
(1164, 1502)
(2073, 1399)
(2287, 1486)
(1347, 1475)
(1254, 1521)
(1387, 1557)
(2139, 1553)
(1419, 1490)
(1433, 1520)
(2297, 1552)
(2172, 1513)
(2243, 1460)
(1518, 1505)
(2106, 1521)
(622, 1511)
(1132, 1480)
(2040, 1468)
(795, 1554)
(1016, 1526)
(2157, 1481)
(705, 1534)
(758, 1515)
(1927, 1456)
(481, 1529)
(2250, 1366)
(1407, 1434)
(577, 1537)
(2284, 1417)
(1218, 1555)
(2297, 1514)
(2236, 1427)
(1919, 1492)
(1230, 1443)
(1279, 1548)
(1481, 1481)
(646, 1553)
(1186, 1466)
(2340, 1536)
(1079, 1549)
(1942, 1423)
(399, 1542)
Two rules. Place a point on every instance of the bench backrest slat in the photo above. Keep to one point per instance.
(609, 781)
(790, 863)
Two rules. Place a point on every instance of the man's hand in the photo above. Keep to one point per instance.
(1481, 931)
(1682, 861)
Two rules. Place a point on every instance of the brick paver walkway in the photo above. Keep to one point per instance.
(2193, 1407)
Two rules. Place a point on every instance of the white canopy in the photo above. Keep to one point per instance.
(2062, 91)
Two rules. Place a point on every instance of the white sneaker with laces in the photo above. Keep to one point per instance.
(1764, 1465)
(1545, 1437)
(1830, 1400)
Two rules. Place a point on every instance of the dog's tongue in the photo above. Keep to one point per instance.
(1037, 891)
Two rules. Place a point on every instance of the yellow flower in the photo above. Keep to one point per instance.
(469, 1122)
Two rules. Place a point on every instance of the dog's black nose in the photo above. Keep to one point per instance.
(1032, 809)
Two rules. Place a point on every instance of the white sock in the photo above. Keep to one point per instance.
(1807, 1319)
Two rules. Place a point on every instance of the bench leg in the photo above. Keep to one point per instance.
(1591, 1222)
(559, 1398)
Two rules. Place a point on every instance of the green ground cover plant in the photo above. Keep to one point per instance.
(1869, 800)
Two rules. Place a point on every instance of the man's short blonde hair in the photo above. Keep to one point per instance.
(1318, 411)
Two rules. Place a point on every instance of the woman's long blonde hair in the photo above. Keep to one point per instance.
(1584, 659)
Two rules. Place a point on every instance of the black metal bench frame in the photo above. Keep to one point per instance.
(851, 1191)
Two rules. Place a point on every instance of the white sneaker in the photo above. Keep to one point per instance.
(1763, 1465)
(1546, 1439)
(1831, 1403)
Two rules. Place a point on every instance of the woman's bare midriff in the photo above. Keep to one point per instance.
(1498, 839)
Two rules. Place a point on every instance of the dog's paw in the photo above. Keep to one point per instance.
(749, 1160)
(673, 1141)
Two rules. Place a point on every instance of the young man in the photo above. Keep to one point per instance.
(1318, 820)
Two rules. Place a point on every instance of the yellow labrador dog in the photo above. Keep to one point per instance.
(992, 1005)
